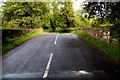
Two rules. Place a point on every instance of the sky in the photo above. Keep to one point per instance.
(77, 4)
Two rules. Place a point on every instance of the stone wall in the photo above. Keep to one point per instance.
(102, 33)
(16, 33)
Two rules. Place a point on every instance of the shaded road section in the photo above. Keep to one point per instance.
(58, 56)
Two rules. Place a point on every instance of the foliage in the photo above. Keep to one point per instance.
(13, 42)
(95, 22)
(84, 22)
(25, 14)
(55, 16)
(103, 10)
(63, 16)
(115, 30)
(112, 49)
(54, 21)
(107, 14)
(0, 21)
(67, 13)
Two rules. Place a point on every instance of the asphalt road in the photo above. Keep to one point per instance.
(58, 56)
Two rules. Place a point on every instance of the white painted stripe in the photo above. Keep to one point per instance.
(24, 63)
(56, 39)
(48, 66)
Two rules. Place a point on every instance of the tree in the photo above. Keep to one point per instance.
(103, 10)
(106, 10)
(55, 17)
(25, 14)
(63, 16)
(68, 14)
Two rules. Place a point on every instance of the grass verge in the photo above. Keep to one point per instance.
(109, 48)
(13, 42)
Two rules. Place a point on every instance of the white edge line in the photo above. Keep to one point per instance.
(24, 63)
(48, 66)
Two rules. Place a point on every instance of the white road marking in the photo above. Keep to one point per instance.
(17, 51)
(48, 66)
(56, 39)
(24, 63)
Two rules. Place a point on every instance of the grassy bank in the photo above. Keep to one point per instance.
(112, 49)
(13, 42)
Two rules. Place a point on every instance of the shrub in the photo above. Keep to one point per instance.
(115, 30)
(95, 22)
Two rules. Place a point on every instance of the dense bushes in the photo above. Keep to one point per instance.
(112, 49)
(107, 14)
(54, 16)
(11, 42)
(24, 23)
(115, 30)
(16, 33)
(0, 22)
(96, 22)
(25, 15)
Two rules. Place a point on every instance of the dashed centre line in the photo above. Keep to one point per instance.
(48, 66)
(55, 42)
(50, 60)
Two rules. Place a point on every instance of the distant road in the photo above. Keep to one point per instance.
(58, 56)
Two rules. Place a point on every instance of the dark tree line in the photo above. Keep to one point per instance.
(109, 11)
(103, 10)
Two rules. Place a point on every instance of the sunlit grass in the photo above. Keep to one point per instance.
(111, 49)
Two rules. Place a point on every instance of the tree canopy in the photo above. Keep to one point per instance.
(24, 14)
(103, 11)
(54, 15)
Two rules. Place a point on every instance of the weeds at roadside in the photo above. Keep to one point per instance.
(112, 49)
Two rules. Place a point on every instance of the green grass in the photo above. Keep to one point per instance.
(13, 42)
(109, 48)
(62, 31)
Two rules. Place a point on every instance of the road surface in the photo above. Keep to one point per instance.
(58, 56)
